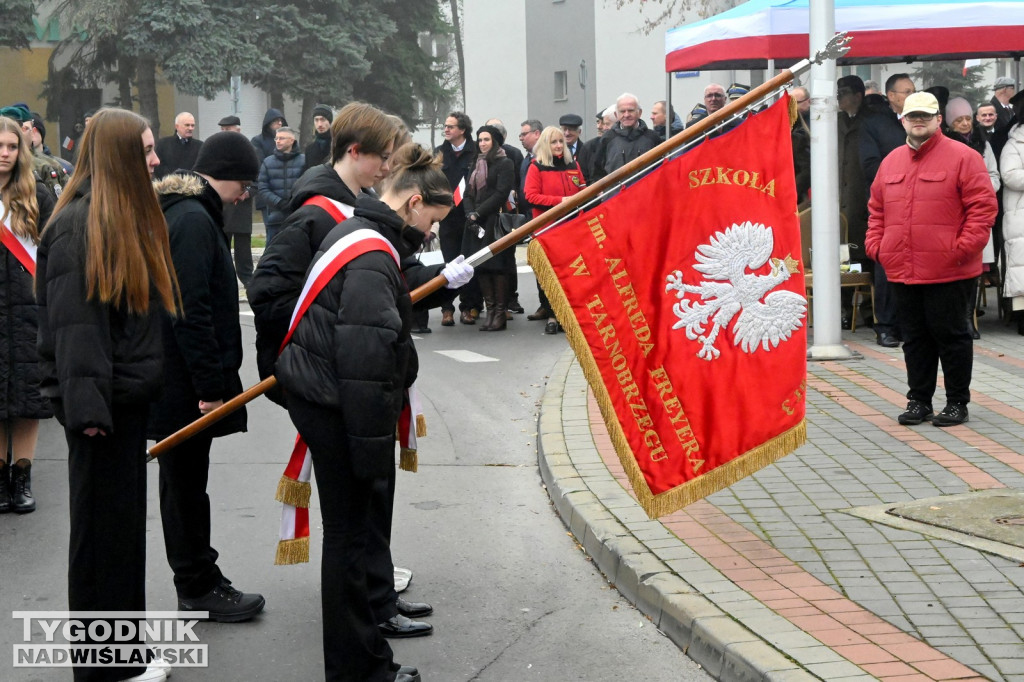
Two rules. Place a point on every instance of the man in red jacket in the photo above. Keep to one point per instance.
(931, 210)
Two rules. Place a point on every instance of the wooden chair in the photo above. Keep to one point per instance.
(862, 283)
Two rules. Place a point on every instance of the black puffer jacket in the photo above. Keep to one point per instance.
(352, 352)
(621, 145)
(202, 346)
(108, 356)
(277, 281)
(318, 151)
(19, 326)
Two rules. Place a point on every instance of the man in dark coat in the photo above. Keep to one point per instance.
(238, 217)
(1003, 91)
(319, 150)
(572, 125)
(203, 353)
(264, 142)
(179, 150)
(458, 153)
(628, 138)
(881, 133)
(278, 174)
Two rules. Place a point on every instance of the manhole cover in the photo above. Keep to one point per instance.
(988, 520)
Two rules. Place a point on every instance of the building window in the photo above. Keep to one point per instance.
(561, 86)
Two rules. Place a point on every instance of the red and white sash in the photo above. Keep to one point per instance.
(22, 248)
(293, 490)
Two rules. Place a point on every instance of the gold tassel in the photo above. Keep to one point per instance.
(680, 496)
(295, 493)
(421, 426)
(409, 460)
(793, 111)
(290, 552)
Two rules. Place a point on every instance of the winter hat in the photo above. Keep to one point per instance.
(228, 156)
(37, 123)
(17, 112)
(230, 121)
(1004, 82)
(325, 111)
(956, 108)
(496, 135)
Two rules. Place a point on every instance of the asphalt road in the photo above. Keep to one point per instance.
(515, 597)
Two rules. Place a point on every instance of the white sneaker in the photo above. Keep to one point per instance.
(159, 662)
(403, 576)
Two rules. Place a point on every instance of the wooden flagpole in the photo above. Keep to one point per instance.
(835, 48)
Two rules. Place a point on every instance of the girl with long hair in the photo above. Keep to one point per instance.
(345, 373)
(490, 183)
(552, 178)
(26, 206)
(104, 276)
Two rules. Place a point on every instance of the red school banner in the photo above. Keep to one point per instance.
(683, 297)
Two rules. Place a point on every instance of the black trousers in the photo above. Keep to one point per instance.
(354, 650)
(470, 295)
(107, 557)
(889, 321)
(185, 514)
(935, 329)
(242, 245)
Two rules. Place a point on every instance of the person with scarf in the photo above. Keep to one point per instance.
(553, 177)
(490, 182)
(963, 127)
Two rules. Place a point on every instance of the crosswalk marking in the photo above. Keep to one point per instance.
(465, 356)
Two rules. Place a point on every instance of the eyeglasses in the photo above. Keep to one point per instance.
(919, 117)
(450, 127)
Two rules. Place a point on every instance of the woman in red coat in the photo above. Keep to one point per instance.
(553, 177)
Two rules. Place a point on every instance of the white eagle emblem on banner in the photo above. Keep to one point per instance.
(729, 289)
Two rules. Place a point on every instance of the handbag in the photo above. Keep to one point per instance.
(507, 222)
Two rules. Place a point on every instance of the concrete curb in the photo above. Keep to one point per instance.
(644, 560)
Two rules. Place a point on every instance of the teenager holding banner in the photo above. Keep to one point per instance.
(26, 206)
(553, 176)
(346, 368)
(103, 280)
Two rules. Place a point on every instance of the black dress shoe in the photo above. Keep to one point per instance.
(411, 673)
(399, 627)
(411, 609)
(888, 340)
(420, 330)
(551, 327)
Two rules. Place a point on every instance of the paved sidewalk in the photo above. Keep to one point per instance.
(790, 574)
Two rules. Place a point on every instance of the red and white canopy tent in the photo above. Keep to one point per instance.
(759, 32)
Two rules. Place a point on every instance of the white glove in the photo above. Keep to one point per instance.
(458, 272)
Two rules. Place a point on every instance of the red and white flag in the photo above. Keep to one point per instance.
(460, 191)
(970, 64)
(683, 297)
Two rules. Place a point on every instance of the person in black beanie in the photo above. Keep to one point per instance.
(319, 150)
(202, 356)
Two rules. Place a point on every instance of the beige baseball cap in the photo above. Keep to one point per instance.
(924, 102)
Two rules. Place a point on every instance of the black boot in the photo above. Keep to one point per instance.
(487, 291)
(500, 302)
(22, 501)
(5, 487)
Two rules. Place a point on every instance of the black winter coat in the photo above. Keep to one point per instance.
(203, 345)
(278, 278)
(109, 357)
(621, 145)
(456, 167)
(318, 151)
(175, 154)
(352, 351)
(264, 142)
(488, 202)
(19, 327)
(880, 133)
(278, 176)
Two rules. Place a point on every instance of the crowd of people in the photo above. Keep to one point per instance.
(122, 303)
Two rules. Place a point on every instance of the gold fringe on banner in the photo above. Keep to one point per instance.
(292, 552)
(294, 493)
(682, 495)
(409, 460)
(421, 426)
